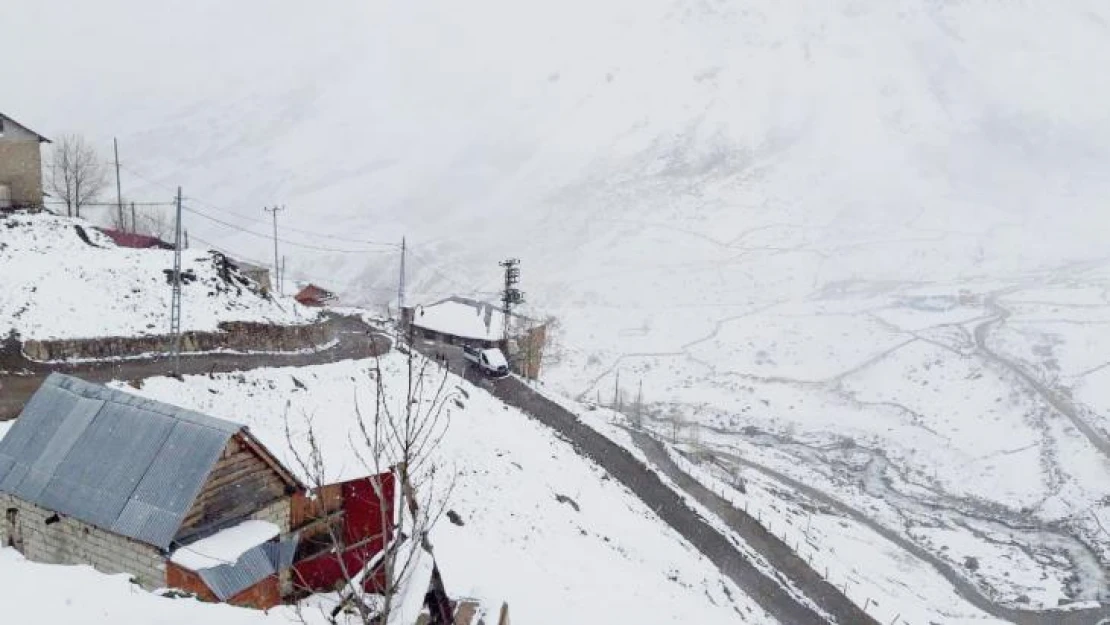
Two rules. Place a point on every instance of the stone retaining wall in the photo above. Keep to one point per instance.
(233, 335)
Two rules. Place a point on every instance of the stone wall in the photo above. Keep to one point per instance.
(236, 335)
(69, 541)
(21, 169)
(276, 513)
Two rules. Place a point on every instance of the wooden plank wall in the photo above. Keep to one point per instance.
(240, 484)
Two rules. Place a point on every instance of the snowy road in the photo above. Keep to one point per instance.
(355, 339)
(669, 505)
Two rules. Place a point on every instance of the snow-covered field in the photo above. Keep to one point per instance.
(57, 285)
(952, 417)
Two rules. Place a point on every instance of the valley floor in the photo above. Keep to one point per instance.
(960, 426)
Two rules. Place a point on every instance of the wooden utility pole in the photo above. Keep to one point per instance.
(617, 392)
(639, 419)
(134, 226)
(119, 191)
(401, 297)
(277, 265)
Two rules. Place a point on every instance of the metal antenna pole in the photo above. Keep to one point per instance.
(277, 265)
(511, 296)
(175, 312)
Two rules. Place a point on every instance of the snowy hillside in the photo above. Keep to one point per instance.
(64, 279)
(539, 526)
(858, 243)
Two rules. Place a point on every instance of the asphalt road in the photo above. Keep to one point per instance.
(21, 378)
(769, 593)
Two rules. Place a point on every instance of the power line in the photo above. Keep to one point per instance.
(310, 277)
(239, 228)
(252, 220)
(84, 204)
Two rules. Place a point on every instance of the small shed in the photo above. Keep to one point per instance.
(315, 296)
(96, 476)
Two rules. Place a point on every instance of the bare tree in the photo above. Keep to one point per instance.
(395, 442)
(531, 339)
(76, 176)
(149, 220)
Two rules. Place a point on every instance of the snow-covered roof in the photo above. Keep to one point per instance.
(65, 453)
(225, 546)
(462, 318)
(236, 558)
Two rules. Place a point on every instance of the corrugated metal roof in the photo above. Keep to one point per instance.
(122, 463)
(258, 563)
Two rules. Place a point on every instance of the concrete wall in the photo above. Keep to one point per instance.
(21, 169)
(238, 336)
(70, 541)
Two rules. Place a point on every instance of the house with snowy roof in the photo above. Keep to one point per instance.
(174, 498)
(458, 320)
(20, 165)
(462, 321)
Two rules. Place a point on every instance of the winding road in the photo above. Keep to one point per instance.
(22, 377)
(770, 593)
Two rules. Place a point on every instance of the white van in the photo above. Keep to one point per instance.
(491, 361)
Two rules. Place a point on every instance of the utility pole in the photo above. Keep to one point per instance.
(175, 311)
(639, 420)
(510, 297)
(617, 392)
(401, 295)
(274, 210)
(119, 190)
(186, 239)
(134, 226)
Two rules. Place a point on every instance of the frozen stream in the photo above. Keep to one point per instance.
(871, 472)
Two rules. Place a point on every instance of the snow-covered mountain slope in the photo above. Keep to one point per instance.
(64, 279)
(539, 526)
(860, 238)
(743, 142)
